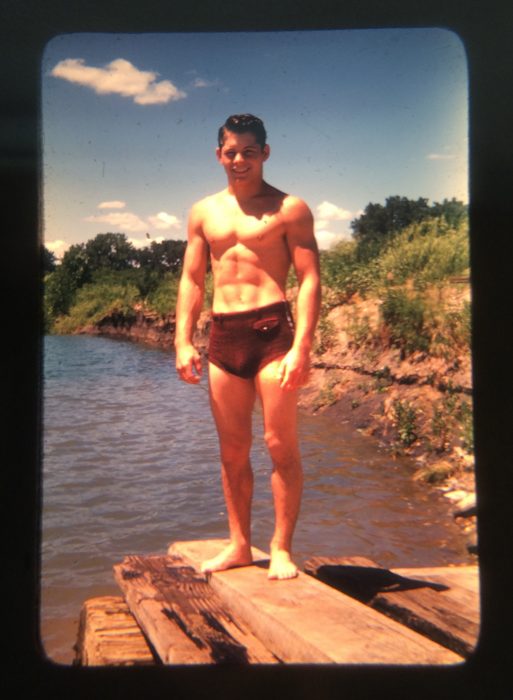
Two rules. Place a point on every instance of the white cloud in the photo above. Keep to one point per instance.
(327, 214)
(58, 247)
(440, 156)
(122, 221)
(163, 220)
(119, 77)
(128, 222)
(202, 83)
(144, 242)
(327, 210)
(326, 239)
(115, 204)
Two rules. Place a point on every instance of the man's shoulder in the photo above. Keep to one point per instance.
(204, 205)
(294, 207)
(211, 199)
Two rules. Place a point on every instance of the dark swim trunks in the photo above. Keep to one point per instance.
(243, 342)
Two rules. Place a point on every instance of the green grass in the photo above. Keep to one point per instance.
(117, 292)
(400, 271)
(163, 298)
(405, 318)
(424, 253)
(94, 302)
(359, 329)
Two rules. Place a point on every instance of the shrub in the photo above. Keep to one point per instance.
(359, 330)
(325, 335)
(465, 416)
(163, 298)
(337, 267)
(449, 331)
(458, 325)
(404, 317)
(425, 253)
(405, 420)
(437, 473)
(452, 419)
(95, 301)
(440, 426)
(382, 379)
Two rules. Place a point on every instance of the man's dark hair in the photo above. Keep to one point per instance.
(240, 124)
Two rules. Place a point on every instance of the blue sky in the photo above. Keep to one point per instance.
(129, 124)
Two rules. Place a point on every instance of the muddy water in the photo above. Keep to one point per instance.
(130, 464)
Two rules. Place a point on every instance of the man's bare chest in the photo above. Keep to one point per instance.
(226, 228)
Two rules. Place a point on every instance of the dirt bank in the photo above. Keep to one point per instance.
(418, 405)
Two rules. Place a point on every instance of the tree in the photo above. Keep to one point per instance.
(61, 285)
(75, 263)
(110, 250)
(453, 211)
(60, 290)
(378, 221)
(48, 260)
(166, 256)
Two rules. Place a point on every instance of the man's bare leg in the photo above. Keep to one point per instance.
(280, 419)
(232, 400)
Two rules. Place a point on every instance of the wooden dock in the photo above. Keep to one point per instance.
(340, 611)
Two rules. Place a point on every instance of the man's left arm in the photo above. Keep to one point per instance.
(305, 259)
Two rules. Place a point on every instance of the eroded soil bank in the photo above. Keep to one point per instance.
(419, 405)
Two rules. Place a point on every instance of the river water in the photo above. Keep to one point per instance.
(130, 464)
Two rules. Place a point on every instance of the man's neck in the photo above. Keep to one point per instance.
(246, 191)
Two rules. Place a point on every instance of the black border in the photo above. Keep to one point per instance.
(486, 30)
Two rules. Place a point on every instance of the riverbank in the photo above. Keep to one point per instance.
(419, 405)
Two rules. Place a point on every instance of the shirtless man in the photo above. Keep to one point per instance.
(253, 233)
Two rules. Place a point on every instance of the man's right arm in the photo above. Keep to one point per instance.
(190, 299)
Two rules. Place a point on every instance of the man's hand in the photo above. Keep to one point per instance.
(294, 368)
(188, 364)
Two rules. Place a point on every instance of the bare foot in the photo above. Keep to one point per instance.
(228, 558)
(281, 566)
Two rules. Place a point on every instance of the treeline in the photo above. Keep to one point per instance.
(405, 266)
(378, 222)
(400, 240)
(111, 266)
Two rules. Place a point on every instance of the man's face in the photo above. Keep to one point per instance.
(242, 157)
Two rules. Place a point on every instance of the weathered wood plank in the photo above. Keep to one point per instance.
(463, 576)
(425, 605)
(185, 622)
(145, 603)
(302, 620)
(109, 636)
(462, 582)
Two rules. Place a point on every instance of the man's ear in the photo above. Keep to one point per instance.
(218, 153)
(266, 151)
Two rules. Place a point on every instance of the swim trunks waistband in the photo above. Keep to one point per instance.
(250, 313)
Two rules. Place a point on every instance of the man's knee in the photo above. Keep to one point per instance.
(282, 447)
(235, 451)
